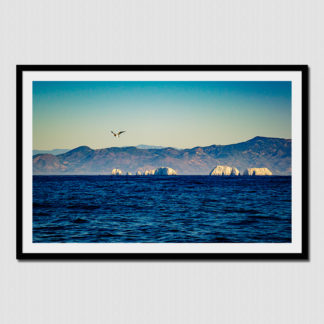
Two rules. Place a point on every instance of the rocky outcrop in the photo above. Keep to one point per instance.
(116, 172)
(257, 172)
(158, 171)
(149, 172)
(224, 170)
(128, 173)
(164, 171)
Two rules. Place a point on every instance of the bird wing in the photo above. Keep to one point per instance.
(121, 132)
(113, 132)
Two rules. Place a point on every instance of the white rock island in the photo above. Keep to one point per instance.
(164, 171)
(148, 172)
(257, 172)
(116, 172)
(224, 170)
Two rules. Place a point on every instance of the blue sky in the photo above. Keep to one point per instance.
(182, 114)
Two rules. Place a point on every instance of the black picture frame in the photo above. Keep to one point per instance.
(304, 255)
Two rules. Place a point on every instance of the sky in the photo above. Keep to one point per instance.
(182, 114)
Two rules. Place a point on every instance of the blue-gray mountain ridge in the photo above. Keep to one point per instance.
(258, 152)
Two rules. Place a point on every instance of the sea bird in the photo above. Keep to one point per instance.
(117, 134)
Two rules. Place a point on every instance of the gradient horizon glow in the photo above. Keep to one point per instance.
(182, 114)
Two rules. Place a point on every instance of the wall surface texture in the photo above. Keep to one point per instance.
(160, 32)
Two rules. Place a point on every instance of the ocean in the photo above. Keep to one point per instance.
(166, 209)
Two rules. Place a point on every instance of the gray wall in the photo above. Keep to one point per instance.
(155, 32)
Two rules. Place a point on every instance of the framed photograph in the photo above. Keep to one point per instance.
(162, 162)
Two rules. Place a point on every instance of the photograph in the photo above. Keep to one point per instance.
(162, 162)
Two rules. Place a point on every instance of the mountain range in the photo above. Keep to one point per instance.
(148, 147)
(61, 151)
(259, 152)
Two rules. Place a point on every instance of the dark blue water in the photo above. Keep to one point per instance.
(192, 209)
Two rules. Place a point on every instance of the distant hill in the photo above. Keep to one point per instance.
(61, 151)
(54, 152)
(258, 152)
(147, 147)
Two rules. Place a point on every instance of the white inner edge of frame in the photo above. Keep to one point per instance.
(293, 247)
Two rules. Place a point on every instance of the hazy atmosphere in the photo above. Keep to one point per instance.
(182, 114)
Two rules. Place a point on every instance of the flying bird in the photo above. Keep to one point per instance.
(117, 134)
